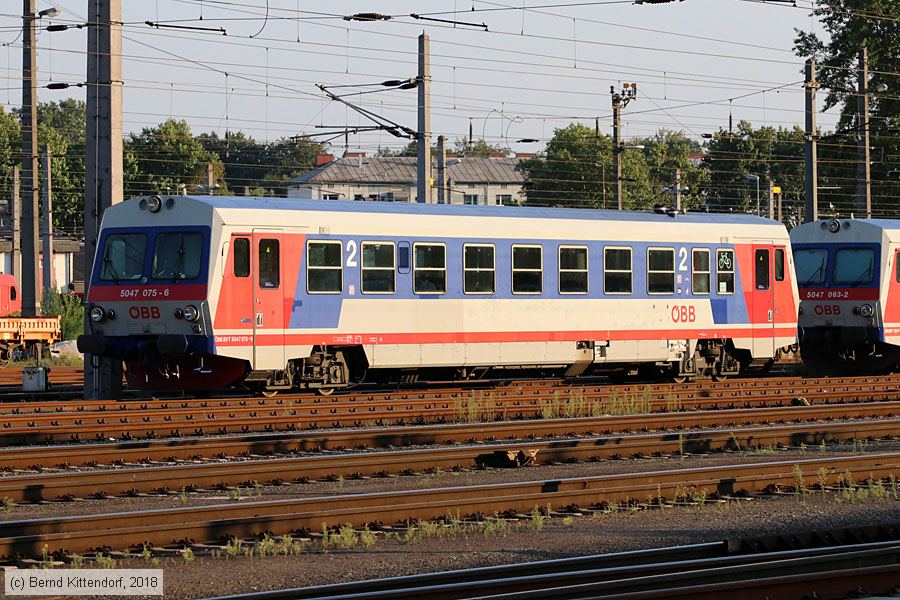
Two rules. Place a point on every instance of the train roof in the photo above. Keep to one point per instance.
(852, 230)
(356, 206)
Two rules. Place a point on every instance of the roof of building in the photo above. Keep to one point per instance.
(402, 169)
(356, 206)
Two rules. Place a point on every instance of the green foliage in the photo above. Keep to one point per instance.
(477, 148)
(575, 170)
(67, 306)
(769, 153)
(161, 158)
(847, 26)
(258, 168)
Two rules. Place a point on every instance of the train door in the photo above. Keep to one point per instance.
(268, 300)
(762, 300)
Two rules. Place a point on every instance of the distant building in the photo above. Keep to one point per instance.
(67, 261)
(476, 180)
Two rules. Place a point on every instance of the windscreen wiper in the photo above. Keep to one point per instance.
(107, 262)
(814, 275)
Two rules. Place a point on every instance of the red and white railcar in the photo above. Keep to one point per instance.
(208, 292)
(848, 273)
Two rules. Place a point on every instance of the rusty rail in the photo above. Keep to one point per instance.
(662, 572)
(338, 439)
(211, 523)
(222, 417)
(49, 486)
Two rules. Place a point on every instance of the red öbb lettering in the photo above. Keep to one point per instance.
(144, 312)
(683, 314)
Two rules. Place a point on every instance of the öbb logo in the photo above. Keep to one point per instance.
(828, 309)
(683, 314)
(144, 312)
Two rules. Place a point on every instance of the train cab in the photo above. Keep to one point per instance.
(848, 275)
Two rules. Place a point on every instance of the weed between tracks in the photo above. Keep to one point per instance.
(477, 407)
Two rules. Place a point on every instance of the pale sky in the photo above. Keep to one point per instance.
(533, 70)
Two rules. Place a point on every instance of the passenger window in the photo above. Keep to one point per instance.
(429, 268)
(896, 262)
(761, 262)
(700, 271)
(269, 264)
(324, 272)
(725, 271)
(661, 270)
(378, 267)
(617, 270)
(527, 270)
(573, 270)
(779, 264)
(478, 269)
(241, 257)
(12, 293)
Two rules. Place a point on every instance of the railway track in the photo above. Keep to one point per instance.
(168, 478)
(812, 566)
(36, 422)
(62, 376)
(185, 526)
(171, 449)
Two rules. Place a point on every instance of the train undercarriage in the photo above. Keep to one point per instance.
(847, 351)
(331, 368)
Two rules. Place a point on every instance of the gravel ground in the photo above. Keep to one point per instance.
(613, 532)
(522, 541)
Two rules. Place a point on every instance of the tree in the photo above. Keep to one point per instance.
(576, 170)
(162, 158)
(287, 158)
(477, 148)
(241, 156)
(10, 150)
(766, 152)
(665, 152)
(61, 125)
(851, 25)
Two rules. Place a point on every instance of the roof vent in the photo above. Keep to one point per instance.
(659, 209)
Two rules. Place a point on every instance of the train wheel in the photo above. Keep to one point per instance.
(324, 391)
(5, 355)
(679, 378)
(718, 377)
(268, 393)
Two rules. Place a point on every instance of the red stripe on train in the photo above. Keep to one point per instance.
(146, 293)
(839, 293)
(270, 339)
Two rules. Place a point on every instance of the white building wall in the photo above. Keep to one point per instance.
(487, 193)
(63, 267)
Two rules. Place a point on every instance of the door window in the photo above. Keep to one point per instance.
(779, 264)
(241, 257)
(761, 262)
(269, 264)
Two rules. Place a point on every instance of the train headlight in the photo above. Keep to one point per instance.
(97, 314)
(191, 313)
(866, 310)
(110, 314)
(154, 203)
(834, 226)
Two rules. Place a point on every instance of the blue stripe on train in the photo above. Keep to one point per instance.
(313, 311)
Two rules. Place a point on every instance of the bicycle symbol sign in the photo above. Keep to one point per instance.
(725, 261)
